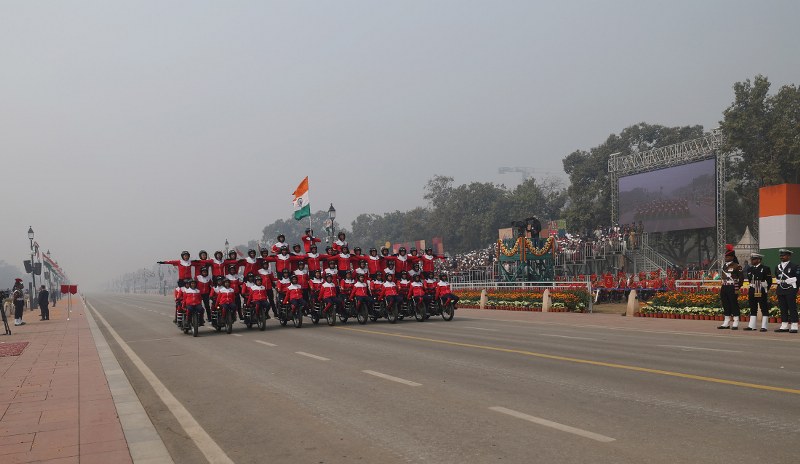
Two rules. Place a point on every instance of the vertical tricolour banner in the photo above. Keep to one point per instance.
(302, 208)
(779, 220)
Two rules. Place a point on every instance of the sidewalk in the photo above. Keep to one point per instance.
(55, 403)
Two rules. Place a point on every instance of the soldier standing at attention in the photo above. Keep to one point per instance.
(732, 278)
(786, 273)
(760, 279)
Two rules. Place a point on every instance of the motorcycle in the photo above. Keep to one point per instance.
(186, 322)
(287, 312)
(254, 316)
(221, 319)
(319, 310)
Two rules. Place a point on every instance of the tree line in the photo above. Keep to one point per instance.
(762, 133)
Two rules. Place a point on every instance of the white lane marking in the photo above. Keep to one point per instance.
(265, 343)
(696, 348)
(238, 335)
(566, 336)
(480, 328)
(303, 353)
(193, 429)
(393, 378)
(150, 340)
(553, 425)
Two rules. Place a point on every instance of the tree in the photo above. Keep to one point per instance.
(589, 192)
(762, 136)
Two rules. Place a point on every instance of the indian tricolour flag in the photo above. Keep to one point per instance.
(302, 208)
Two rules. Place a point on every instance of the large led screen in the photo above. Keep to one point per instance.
(676, 198)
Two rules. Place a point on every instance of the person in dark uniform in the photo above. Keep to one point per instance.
(786, 273)
(19, 302)
(732, 277)
(44, 300)
(760, 279)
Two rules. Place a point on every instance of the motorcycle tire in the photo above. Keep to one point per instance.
(391, 314)
(195, 325)
(262, 321)
(362, 315)
(448, 312)
(297, 318)
(419, 312)
(228, 323)
(330, 316)
(314, 317)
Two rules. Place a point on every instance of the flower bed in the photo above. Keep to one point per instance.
(700, 306)
(524, 300)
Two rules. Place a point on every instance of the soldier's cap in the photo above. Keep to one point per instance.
(784, 251)
(756, 255)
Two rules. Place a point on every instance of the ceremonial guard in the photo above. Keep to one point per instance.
(732, 277)
(786, 274)
(760, 279)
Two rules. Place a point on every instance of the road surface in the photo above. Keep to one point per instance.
(485, 387)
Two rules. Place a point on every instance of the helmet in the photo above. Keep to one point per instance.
(296, 245)
(281, 236)
(259, 279)
(357, 249)
(190, 281)
(293, 277)
(340, 234)
(373, 249)
(204, 269)
(428, 250)
(232, 252)
(250, 274)
(401, 250)
(313, 248)
(181, 282)
(251, 251)
(184, 252)
(226, 281)
(264, 251)
(413, 249)
(218, 253)
(202, 251)
(404, 273)
(284, 248)
(309, 230)
(442, 276)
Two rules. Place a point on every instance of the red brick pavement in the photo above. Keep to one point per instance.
(55, 404)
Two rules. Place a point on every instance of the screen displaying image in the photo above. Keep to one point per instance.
(676, 198)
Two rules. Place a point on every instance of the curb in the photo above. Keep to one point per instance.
(144, 442)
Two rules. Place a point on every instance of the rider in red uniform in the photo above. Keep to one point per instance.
(280, 243)
(193, 301)
(374, 263)
(184, 265)
(309, 240)
(339, 243)
(294, 294)
(389, 292)
(204, 282)
(443, 291)
(427, 262)
(257, 296)
(329, 295)
(360, 292)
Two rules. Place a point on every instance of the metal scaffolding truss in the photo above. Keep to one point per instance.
(699, 149)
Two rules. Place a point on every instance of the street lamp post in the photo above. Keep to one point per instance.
(33, 270)
(331, 217)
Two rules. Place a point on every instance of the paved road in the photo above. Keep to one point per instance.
(477, 389)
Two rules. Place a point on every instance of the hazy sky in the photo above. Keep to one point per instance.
(132, 130)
